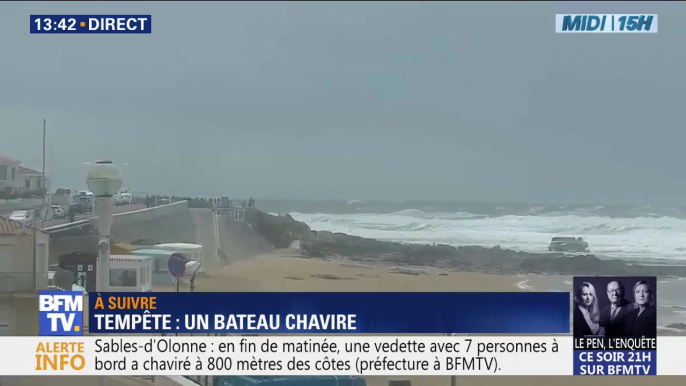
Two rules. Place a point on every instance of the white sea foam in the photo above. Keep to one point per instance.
(524, 284)
(633, 238)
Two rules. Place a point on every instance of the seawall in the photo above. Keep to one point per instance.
(223, 240)
(239, 240)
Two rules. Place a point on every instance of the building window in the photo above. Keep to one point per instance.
(3, 172)
(14, 172)
(120, 277)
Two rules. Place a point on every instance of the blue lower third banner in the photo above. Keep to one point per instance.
(615, 362)
(331, 312)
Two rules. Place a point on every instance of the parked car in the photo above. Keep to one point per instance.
(125, 198)
(22, 216)
(77, 207)
(86, 202)
(568, 244)
(59, 212)
(85, 198)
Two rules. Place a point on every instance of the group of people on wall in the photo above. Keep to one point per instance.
(620, 318)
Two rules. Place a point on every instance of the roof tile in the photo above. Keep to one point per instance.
(24, 170)
(9, 227)
(6, 159)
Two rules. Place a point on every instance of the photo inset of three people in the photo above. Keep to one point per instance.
(615, 307)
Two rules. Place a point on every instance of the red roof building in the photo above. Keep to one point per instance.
(9, 227)
(16, 179)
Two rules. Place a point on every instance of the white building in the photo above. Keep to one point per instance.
(32, 179)
(18, 296)
(10, 180)
(16, 258)
(130, 273)
(17, 179)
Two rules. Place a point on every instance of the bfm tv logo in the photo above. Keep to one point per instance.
(610, 23)
(60, 313)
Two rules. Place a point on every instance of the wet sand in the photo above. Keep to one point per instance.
(274, 272)
(279, 271)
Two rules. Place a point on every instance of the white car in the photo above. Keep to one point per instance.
(22, 216)
(125, 199)
(59, 212)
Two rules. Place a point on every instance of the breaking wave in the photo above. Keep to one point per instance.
(633, 237)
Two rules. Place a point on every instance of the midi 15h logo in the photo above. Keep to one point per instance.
(606, 23)
(60, 313)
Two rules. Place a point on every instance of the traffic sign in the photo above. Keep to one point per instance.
(46, 213)
(177, 264)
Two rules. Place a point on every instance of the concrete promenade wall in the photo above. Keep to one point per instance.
(7, 206)
(124, 219)
(161, 224)
(150, 223)
(166, 224)
(238, 240)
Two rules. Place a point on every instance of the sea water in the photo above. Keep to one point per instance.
(642, 234)
(647, 238)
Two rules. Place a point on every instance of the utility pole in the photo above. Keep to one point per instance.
(43, 190)
(36, 213)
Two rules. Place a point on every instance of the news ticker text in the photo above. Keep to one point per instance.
(328, 355)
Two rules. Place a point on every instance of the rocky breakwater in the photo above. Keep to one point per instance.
(279, 230)
(282, 230)
(475, 258)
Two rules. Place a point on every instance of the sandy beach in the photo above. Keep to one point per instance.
(283, 270)
(277, 272)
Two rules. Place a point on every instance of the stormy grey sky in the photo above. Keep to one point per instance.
(448, 101)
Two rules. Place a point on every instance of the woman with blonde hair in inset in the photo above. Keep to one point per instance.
(586, 312)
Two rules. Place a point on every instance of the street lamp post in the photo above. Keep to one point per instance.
(104, 181)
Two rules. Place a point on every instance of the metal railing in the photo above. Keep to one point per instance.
(68, 225)
(22, 282)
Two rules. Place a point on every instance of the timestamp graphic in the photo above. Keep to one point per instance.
(135, 24)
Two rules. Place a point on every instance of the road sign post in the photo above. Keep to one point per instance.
(177, 267)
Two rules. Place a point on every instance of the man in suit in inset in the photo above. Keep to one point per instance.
(612, 316)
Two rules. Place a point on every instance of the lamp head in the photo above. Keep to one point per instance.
(104, 179)
(193, 266)
(104, 246)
